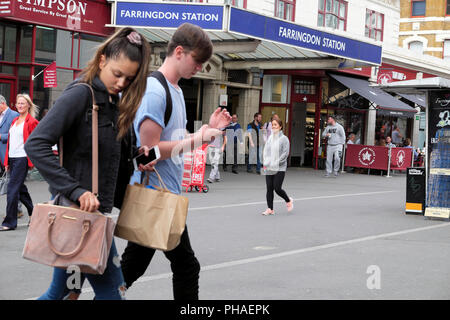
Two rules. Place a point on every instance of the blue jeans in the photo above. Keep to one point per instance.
(108, 286)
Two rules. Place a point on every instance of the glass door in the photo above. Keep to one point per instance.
(8, 90)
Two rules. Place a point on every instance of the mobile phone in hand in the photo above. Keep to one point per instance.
(153, 154)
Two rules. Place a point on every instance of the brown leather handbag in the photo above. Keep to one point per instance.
(61, 235)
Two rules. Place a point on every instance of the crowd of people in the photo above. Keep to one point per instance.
(132, 118)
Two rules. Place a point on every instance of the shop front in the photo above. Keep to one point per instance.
(34, 34)
(260, 63)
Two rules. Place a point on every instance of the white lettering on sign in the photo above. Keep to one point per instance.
(299, 36)
(186, 16)
(69, 6)
(333, 44)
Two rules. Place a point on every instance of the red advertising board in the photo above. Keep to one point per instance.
(377, 157)
(87, 16)
(401, 158)
(50, 76)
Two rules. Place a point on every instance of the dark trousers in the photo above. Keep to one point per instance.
(17, 190)
(184, 265)
(274, 183)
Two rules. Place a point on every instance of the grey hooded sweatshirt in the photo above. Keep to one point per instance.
(337, 134)
(276, 152)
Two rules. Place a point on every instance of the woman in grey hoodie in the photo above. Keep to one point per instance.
(276, 152)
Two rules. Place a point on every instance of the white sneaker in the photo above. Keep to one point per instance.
(290, 205)
(268, 212)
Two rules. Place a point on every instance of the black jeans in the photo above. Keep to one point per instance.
(275, 182)
(17, 190)
(184, 265)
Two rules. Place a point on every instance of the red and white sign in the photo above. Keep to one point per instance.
(377, 157)
(50, 80)
(87, 16)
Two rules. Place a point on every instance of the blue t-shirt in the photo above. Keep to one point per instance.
(153, 107)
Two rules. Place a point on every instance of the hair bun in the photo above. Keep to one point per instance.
(135, 38)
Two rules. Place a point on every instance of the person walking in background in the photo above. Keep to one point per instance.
(335, 135)
(234, 133)
(215, 151)
(17, 162)
(7, 115)
(254, 141)
(275, 155)
(119, 66)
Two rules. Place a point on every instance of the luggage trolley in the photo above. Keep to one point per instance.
(194, 170)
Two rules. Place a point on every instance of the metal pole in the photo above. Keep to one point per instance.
(343, 157)
(389, 162)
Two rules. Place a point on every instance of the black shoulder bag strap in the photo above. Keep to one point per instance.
(168, 113)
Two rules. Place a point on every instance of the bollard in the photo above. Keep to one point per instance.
(389, 163)
(343, 157)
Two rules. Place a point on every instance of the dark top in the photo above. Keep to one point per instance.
(71, 117)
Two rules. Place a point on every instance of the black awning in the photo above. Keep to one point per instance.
(418, 99)
(386, 104)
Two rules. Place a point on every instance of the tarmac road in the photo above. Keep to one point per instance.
(347, 238)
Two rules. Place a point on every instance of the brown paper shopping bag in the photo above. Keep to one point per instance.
(152, 218)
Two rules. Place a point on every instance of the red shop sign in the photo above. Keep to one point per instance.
(377, 157)
(87, 16)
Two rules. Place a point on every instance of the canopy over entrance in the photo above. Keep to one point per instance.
(243, 36)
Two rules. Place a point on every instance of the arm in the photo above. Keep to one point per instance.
(325, 132)
(65, 113)
(284, 149)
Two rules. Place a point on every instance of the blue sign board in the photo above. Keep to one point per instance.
(267, 28)
(165, 15)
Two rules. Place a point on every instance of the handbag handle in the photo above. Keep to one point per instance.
(161, 182)
(95, 109)
(51, 221)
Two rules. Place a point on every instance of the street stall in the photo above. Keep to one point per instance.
(437, 143)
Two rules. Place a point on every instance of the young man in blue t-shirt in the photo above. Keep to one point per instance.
(188, 49)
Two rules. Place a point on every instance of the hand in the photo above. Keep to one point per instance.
(6, 168)
(252, 144)
(328, 135)
(88, 202)
(149, 166)
(220, 119)
(209, 134)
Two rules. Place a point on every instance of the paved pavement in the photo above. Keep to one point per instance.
(347, 238)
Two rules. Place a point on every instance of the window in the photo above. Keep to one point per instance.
(418, 8)
(239, 3)
(374, 25)
(446, 56)
(448, 7)
(275, 88)
(285, 9)
(45, 39)
(332, 14)
(416, 47)
(304, 87)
